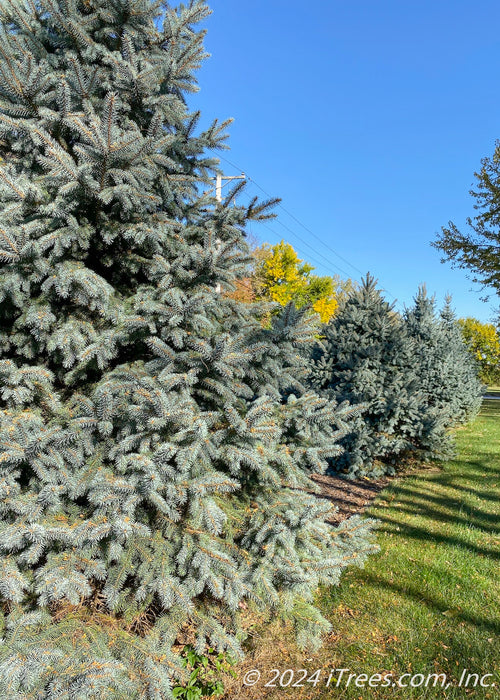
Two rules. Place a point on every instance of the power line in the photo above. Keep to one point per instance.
(318, 265)
(321, 262)
(307, 255)
(306, 228)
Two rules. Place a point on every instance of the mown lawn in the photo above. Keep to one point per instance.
(429, 602)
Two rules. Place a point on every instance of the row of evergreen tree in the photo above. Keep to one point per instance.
(156, 441)
(412, 374)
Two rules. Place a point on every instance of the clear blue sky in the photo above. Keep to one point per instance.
(368, 118)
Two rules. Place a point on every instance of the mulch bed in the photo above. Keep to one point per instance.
(350, 496)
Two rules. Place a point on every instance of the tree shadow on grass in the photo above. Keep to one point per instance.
(428, 491)
(491, 417)
(418, 503)
(420, 533)
(485, 525)
(471, 467)
(413, 592)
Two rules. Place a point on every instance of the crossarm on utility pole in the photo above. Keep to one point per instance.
(227, 178)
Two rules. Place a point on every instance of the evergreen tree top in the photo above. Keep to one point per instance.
(447, 313)
(421, 317)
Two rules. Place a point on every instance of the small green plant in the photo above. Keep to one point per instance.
(205, 671)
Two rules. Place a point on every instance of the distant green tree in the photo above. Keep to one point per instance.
(478, 248)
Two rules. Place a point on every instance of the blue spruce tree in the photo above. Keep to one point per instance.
(438, 369)
(462, 389)
(155, 438)
(365, 358)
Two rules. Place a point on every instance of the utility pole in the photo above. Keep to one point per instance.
(218, 183)
(218, 195)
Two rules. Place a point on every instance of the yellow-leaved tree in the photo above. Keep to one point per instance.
(280, 275)
(484, 342)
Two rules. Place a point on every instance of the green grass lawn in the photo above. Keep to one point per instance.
(429, 602)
